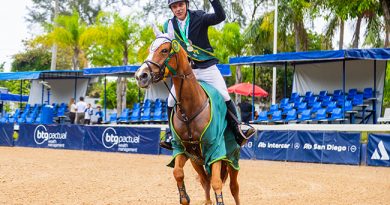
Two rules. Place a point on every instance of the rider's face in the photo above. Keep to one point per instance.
(179, 9)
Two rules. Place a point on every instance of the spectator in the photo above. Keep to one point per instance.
(80, 111)
(256, 115)
(246, 111)
(72, 110)
(88, 114)
(99, 113)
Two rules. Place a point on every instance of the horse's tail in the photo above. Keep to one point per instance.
(224, 171)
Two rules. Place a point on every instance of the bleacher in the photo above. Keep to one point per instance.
(147, 112)
(355, 107)
(33, 114)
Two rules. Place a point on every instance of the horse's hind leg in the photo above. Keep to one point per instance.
(178, 173)
(234, 186)
(204, 180)
(216, 181)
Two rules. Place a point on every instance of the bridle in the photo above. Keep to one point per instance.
(161, 74)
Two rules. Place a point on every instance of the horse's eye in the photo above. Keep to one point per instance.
(164, 50)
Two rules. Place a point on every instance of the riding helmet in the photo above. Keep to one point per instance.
(170, 2)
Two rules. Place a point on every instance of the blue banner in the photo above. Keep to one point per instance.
(378, 150)
(341, 148)
(51, 136)
(307, 146)
(122, 139)
(6, 134)
(273, 145)
(248, 150)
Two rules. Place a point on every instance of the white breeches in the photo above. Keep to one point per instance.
(210, 75)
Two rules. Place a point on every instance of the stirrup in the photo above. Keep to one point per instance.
(246, 135)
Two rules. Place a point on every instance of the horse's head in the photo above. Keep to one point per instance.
(157, 65)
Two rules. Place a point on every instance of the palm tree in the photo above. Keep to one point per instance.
(69, 34)
(120, 35)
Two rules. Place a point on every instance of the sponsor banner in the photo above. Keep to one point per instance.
(378, 150)
(272, 145)
(122, 139)
(341, 148)
(306, 146)
(325, 147)
(248, 151)
(51, 136)
(6, 134)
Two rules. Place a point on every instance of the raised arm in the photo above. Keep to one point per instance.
(218, 16)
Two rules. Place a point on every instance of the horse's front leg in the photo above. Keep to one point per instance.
(216, 182)
(234, 186)
(204, 181)
(178, 173)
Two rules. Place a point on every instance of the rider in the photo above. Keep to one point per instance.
(190, 28)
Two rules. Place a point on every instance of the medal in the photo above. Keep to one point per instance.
(190, 48)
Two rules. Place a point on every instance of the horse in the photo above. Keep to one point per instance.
(213, 156)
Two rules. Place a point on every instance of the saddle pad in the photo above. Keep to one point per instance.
(217, 142)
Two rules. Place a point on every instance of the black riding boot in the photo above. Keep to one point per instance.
(231, 116)
(167, 143)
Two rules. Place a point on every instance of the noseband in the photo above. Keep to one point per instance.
(157, 76)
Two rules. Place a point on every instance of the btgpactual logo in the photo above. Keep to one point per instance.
(41, 135)
(110, 138)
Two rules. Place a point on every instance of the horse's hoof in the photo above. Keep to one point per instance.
(208, 202)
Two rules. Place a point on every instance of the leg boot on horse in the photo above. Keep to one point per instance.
(216, 182)
(167, 143)
(231, 115)
(178, 173)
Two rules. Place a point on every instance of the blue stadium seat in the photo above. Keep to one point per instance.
(332, 105)
(351, 93)
(145, 115)
(38, 119)
(291, 116)
(320, 115)
(14, 117)
(316, 107)
(273, 108)
(283, 103)
(263, 117)
(298, 101)
(337, 93)
(326, 100)
(336, 115)
(4, 118)
(124, 117)
(305, 116)
(322, 94)
(276, 116)
(357, 100)
(147, 103)
(311, 101)
(157, 115)
(113, 118)
(135, 115)
(302, 107)
(368, 93)
(287, 108)
(308, 95)
(293, 97)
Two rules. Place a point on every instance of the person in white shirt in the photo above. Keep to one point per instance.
(80, 111)
(88, 114)
(72, 110)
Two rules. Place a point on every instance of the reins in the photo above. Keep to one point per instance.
(174, 49)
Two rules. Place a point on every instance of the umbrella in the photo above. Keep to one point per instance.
(247, 90)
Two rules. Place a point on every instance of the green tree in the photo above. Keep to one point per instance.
(68, 34)
(42, 11)
(31, 60)
(118, 34)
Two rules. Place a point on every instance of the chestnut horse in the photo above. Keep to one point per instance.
(192, 116)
